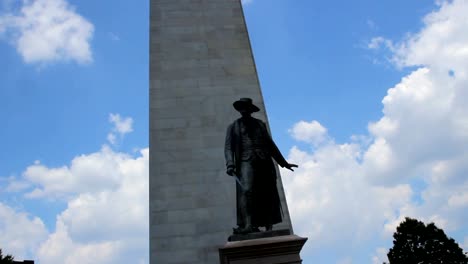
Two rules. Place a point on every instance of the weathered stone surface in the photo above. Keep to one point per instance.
(258, 235)
(200, 63)
(272, 250)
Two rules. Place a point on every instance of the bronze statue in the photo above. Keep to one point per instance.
(249, 150)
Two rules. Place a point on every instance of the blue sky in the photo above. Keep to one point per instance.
(365, 95)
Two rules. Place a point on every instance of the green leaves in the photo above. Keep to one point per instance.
(5, 259)
(415, 243)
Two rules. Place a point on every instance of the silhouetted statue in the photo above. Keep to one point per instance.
(249, 150)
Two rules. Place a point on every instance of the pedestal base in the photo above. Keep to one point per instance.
(271, 250)
(257, 235)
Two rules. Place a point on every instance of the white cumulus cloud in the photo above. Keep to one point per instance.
(379, 42)
(20, 233)
(442, 41)
(122, 126)
(310, 132)
(332, 202)
(90, 173)
(106, 217)
(48, 31)
(417, 161)
(60, 248)
(380, 256)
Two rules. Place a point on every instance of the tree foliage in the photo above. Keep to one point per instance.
(5, 259)
(417, 243)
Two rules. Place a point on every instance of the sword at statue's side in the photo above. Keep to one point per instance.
(238, 180)
(232, 172)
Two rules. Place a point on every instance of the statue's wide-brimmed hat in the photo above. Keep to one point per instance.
(245, 104)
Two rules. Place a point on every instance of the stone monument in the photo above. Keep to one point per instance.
(200, 62)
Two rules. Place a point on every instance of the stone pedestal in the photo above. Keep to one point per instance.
(257, 235)
(270, 250)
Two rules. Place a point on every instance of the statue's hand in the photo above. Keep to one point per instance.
(231, 171)
(290, 166)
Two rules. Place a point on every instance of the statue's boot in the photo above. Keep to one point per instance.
(237, 230)
(246, 230)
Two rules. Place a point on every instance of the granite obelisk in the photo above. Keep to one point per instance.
(200, 63)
